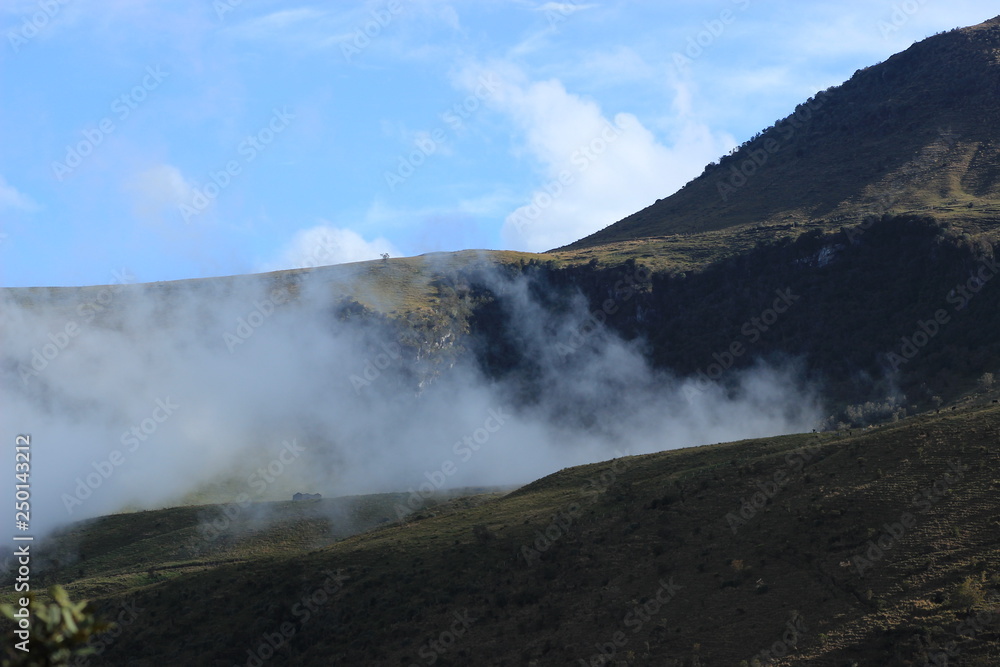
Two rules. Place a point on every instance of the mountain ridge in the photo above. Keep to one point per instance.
(862, 543)
(914, 134)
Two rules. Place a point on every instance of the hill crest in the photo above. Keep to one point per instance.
(914, 134)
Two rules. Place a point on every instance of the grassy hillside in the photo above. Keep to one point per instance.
(858, 295)
(874, 546)
(121, 552)
(915, 134)
(701, 556)
(398, 286)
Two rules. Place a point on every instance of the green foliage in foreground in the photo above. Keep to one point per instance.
(53, 633)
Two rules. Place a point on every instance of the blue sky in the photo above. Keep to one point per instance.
(178, 139)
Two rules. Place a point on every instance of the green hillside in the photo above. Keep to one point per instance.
(873, 208)
(709, 555)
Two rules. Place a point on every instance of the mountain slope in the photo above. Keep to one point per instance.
(916, 133)
(825, 549)
(858, 295)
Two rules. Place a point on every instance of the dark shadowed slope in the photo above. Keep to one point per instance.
(879, 548)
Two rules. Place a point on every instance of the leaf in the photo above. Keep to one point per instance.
(68, 620)
(58, 594)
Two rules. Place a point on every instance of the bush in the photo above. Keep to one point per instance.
(60, 631)
(968, 593)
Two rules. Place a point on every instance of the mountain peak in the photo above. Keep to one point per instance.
(916, 133)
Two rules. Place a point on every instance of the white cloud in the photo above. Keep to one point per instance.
(163, 184)
(449, 17)
(160, 190)
(329, 27)
(325, 244)
(11, 198)
(619, 66)
(277, 23)
(594, 169)
(563, 8)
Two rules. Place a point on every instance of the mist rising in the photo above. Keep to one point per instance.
(228, 387)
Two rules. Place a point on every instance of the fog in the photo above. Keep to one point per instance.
(136, 396)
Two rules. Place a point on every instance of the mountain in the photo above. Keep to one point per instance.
(876, 547)
(917, 133)
(858, 297)
(850, 279)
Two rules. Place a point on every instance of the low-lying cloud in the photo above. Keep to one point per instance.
(172, 388)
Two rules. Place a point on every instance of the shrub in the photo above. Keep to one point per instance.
(966, 594)
(60, 631)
